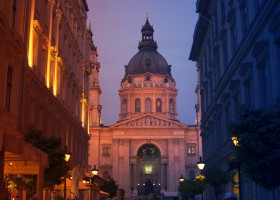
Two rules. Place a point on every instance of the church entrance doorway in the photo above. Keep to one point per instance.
(148, 164)
(148, 186)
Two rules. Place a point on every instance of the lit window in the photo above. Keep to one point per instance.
(158, 105)
(191, 149)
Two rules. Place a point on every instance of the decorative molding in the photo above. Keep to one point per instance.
(37, 27)
(150, 122)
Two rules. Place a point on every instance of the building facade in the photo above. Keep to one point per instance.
(148, 149)
(47, 57)
(236, 47)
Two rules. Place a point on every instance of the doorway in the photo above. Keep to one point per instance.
(148, 186)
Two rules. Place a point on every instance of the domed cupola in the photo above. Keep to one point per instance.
(147, 59)
(147, 37)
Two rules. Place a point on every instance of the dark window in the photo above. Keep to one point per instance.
(244, 10)
(233, 34)
(129, 80)
(9, 89)
(106, 175)
(148, 105)
(158, 105)
(137, 105)
(148, 78)
(216, 30)
(14, 13)
(225, 53)
(165, 80)
(223, 8)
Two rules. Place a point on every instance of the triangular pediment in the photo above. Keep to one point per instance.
(148, 121)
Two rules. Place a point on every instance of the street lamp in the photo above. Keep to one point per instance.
(94, 171)
(200, 165)
(181, 179)
(67, 156)
(236, 144)
(235, 140)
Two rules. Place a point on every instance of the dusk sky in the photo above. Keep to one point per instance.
(116, 27)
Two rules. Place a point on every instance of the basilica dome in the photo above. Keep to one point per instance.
(147, 59)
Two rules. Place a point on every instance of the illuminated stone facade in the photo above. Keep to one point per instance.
(148, 148)
(46, 57)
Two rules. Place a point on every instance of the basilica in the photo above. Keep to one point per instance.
(148, 148)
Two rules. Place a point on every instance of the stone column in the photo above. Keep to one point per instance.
(126, 166)
(51, 5)
(170, 170)
(58, 17)
(163, 176)
(115, 151)
(134, 178)
(182, 154)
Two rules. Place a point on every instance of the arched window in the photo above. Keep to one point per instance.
(158, 105)
(137, 105)
(171, 106)
(124, 106)
(148, 105)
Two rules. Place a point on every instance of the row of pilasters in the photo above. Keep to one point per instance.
(127, 175)
(121, 169)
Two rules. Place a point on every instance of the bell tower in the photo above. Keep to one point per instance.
(94, 87)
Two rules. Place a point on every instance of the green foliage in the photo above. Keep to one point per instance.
(110, 187)
(190, 188)
(21, 182)
(258, 133)
(216, 178)
(58, 167)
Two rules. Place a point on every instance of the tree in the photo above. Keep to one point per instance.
(21, 182)
(58, 167)
(216, 178)
(258, 150)
(190, 188)
(110, 187)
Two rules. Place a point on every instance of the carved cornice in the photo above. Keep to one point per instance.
(149, 121)
(45, 42)
(37, 27)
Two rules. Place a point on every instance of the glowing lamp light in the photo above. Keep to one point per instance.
(235, 140)
(148, 169)
(181, 179)
(94, 171)
(67, 156)
(200, 164)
